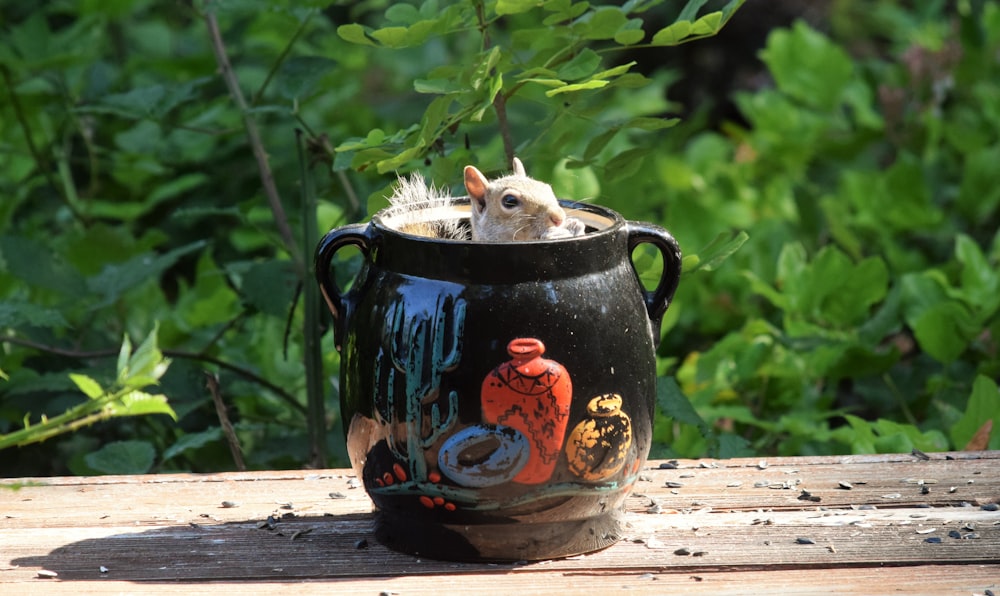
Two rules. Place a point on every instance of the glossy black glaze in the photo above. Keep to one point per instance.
(425, 335)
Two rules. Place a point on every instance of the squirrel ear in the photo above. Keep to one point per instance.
(475, 185)
(519, 168)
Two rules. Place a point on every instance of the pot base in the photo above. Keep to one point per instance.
(497, 542)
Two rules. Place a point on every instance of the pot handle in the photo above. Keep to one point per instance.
(659, 299)
(340, 303)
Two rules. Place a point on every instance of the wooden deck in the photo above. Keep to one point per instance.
(854, 524)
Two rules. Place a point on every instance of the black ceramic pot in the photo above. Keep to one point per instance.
(498, 398)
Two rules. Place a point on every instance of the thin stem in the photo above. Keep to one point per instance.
(72, 419)
(212, 382)
(41, 161)
(253, 136)
(281, 59)
(246, 374)
(500, 100)
(312, 327)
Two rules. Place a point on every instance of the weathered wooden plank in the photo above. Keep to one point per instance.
(931, 580)
(713, 517)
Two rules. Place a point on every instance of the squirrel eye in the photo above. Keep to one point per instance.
(510, 201)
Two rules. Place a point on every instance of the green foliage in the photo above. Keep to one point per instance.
(841, 249)
(135, 371)
(861, 314)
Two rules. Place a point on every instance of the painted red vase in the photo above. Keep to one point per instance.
(533, 395)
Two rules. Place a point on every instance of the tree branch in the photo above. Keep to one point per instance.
(253, 135)
(246, 374)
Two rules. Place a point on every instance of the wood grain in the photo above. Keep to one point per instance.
(801, 525)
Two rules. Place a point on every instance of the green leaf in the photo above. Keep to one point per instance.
(604, 22)
(18, 313)
(193, 441)
(690, 10)
(808, 66)
(709, 24)
(145, 364)
(944, 330)
(139, 403)
(673, 34)
(983, 405)
(404, 14)
(576, 87)
(577, 183)
(393, 37)
(723, 246)
(582, 65)
(675, 404)
(980, 282)
(301, 75)
(116, 279)
(355, 33)
(89, 386)
(123, 457)
(506, 7)
(269, 286)
(631, 32)
(615, 72)
(124, 352)
(152, 101)
(598, 143)
(35, 264)
(646, 123)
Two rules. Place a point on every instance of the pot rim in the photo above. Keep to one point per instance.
(600, 221)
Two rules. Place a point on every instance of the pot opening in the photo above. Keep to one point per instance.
(451, 222)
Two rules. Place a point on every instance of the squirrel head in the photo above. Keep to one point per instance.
(514, 207)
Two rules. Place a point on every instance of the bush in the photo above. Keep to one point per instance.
(840, 290)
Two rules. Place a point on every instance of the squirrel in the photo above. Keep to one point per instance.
(512, 208)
